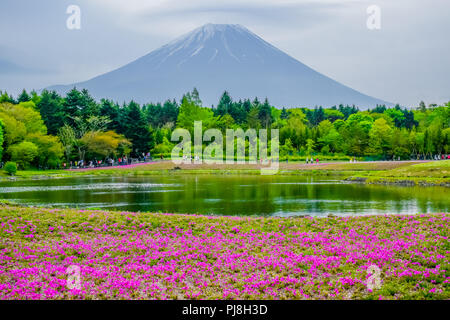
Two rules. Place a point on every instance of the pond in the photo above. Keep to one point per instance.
(227, 195)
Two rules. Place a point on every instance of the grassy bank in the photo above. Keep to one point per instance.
(429, 173)
(162, 256)
(403, 172)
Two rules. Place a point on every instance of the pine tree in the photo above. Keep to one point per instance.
(170, 112)
(195, 96)
(284, 114)
(89, 106)
(422, 106)
(224, 105)
(24, 97)
(72, 106)
(265, 114)
(136, 129)
(111, 110)
(50, 106)
(5, 97)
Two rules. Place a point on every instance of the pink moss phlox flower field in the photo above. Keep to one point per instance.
(123, 255)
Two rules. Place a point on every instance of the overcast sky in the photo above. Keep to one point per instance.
(406, 61)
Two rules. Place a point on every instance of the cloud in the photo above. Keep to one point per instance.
(172, 17)
(8, 67)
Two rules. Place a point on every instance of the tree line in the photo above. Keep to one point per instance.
(45, 130)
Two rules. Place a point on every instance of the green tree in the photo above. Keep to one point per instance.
(23, 153)
(380, 138)
(27, 115)
(23, 97)
(50, 107)
(355, 133)
(164, 147)
(110, 110)
(73, 103)
(170, 111)
(68, 139)
(284, 114)
(136, 129)
(446, 139)
(422, 106)
(316, 116)
(287, 148)
(4, 97)
(191, 111)
(265, 114)
(50, 149)
(104, 144)
(355, 138)
(18, 122)
(253, 118)
(359, 117)
(400, 143)
(1, 139)
(225, 104)
(397, 115)
(225, 122)
(310, 145)
(195, 97)
(89, 107)
(295, 129)
(331, 139)
(333, 114)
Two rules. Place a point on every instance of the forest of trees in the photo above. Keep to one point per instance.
(45, 130)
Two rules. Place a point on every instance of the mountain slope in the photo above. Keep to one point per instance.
(215, 58)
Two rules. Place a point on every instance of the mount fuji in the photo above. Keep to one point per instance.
(219, 57)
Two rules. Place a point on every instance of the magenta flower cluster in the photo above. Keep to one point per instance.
(162, 256)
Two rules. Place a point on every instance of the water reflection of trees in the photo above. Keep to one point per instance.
(236, 194)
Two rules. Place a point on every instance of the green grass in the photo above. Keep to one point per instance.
(436, 172)
(435, 169)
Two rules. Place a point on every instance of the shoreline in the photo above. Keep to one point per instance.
(398, 181)
(402, 173)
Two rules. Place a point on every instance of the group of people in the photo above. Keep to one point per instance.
(441, 157)
(188, 159)
(311, 160)
(431, 157)
(78, 164)
(121, 161)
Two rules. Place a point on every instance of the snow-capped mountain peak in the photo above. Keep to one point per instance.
(218, 57)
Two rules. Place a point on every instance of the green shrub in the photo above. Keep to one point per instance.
(10, 168)
(53, 163)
